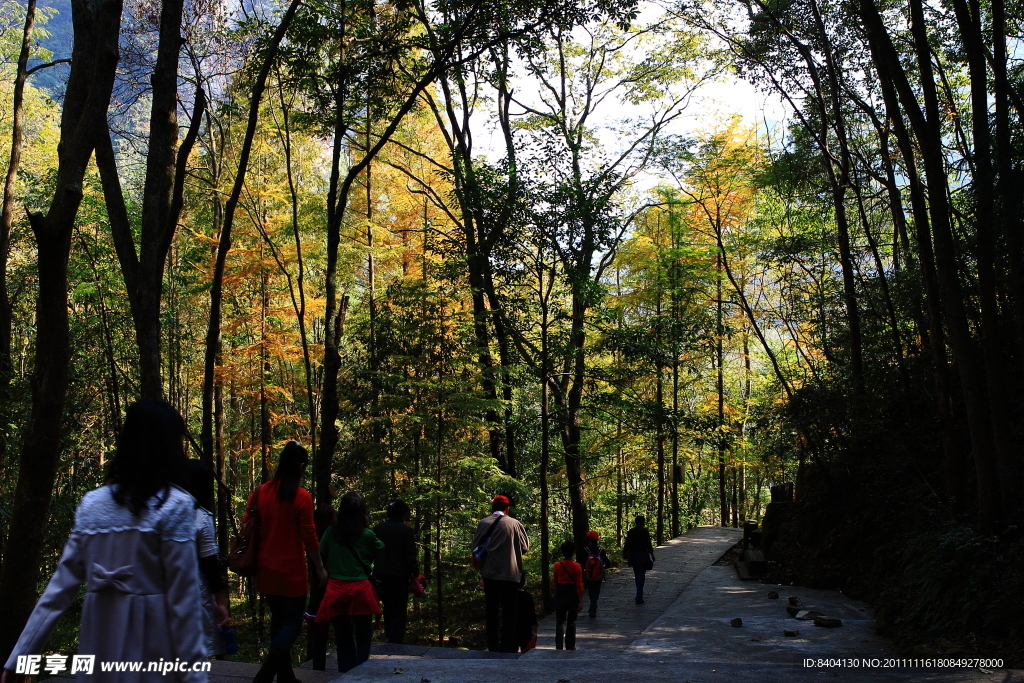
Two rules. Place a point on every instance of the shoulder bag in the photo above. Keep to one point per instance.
(245, 549)
(476, 557)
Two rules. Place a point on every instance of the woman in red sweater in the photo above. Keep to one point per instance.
(287, 539)
(568, 580)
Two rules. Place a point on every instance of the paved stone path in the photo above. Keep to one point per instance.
(697, 627)
(243, 672)
(680, 635)
(618, 623)
(619, 620)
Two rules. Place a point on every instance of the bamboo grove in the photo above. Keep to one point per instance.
(459, 249)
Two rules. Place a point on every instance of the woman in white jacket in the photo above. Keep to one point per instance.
(133, 546)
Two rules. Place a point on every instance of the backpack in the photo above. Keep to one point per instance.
(593, 568)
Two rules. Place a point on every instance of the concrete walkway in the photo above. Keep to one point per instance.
(629, 668)
(681, 634)
(696, 627)
(619, 620)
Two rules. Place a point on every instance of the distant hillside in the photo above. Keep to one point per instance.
(59, 43)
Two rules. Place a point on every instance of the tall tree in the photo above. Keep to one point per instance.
(94, 63)
(162, 197)
(578, 186)
(213, 330)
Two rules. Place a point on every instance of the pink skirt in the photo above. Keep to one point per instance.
(348, 598)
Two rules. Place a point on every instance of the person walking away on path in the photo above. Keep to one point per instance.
(133, 545)
(287, 540)
(639, 554)
(351, 600)
(213, 591)
(526, 619)
(595, 565)
(395, 567)
(568, 600)
(316, 637)
(502, 571)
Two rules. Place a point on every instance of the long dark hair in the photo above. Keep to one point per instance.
(199, 482)
(150, 455)
(289, 470)
(351, 517)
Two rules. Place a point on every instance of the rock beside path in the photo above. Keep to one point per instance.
(808, 615)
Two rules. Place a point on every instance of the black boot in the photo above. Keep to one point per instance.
(559, 634)
(570, 636)
(268, 669)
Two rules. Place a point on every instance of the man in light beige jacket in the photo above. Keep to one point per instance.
(502, 572)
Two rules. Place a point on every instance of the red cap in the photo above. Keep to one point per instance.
(592, 535)
(500, 499)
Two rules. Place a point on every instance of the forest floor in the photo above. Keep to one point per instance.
(681, 634)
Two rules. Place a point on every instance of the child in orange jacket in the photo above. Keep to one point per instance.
(568, 600)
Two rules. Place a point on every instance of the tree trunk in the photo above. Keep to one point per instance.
(571, 428)
(266, 437)
(157, 231)
(1009, 200)
(545, 443)
(675, 420)
(971, 375)
(299, 303)
(223, 493)
(335, 308)
(437, 529)
(994, 360)
(618, 482)
(478, 240)
(162, 199)
(213, 332)
(6, 222)
(659, 398)
(839, 183)
(953, 465)
(890, 308)
(94, 62)
(723, 504)
(837, 172)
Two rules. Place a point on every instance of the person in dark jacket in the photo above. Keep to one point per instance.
(639, 554)
(395, 567)
(601, 561)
